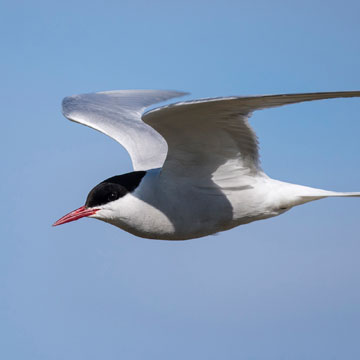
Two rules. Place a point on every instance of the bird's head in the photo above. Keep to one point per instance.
(101, 201)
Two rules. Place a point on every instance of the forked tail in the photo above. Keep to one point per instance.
(292, 194)
(316, 194)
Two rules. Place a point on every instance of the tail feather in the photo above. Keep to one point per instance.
(320, 194)
(347, 194)
(299, 194)
(324, 194)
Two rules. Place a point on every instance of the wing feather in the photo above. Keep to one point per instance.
(118, 115)
(212, 137)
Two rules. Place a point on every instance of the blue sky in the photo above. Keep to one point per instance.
(284, 288)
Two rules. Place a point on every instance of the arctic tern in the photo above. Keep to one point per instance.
(196, 163)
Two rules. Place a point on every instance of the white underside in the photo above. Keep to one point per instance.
(170, 210)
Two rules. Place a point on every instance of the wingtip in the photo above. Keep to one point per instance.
(149, 91)
(74, 105)
(180, 93)
(169, 94)
(69, 103)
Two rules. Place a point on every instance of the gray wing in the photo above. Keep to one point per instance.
(212, 137)
(118, 115)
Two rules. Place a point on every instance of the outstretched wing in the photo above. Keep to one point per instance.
(212, 138)
(118, 115)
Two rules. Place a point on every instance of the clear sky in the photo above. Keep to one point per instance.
(284, 288)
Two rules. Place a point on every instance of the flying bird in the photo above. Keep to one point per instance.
(196, 163)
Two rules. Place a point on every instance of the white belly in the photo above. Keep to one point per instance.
(162, 211)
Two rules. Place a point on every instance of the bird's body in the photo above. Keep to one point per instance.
(196, 211)
(211, 180)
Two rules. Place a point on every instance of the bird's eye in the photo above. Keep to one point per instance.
(112, 196)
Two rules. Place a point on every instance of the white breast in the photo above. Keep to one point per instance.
(166, 209)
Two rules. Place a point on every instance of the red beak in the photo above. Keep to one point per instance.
(75, 215)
